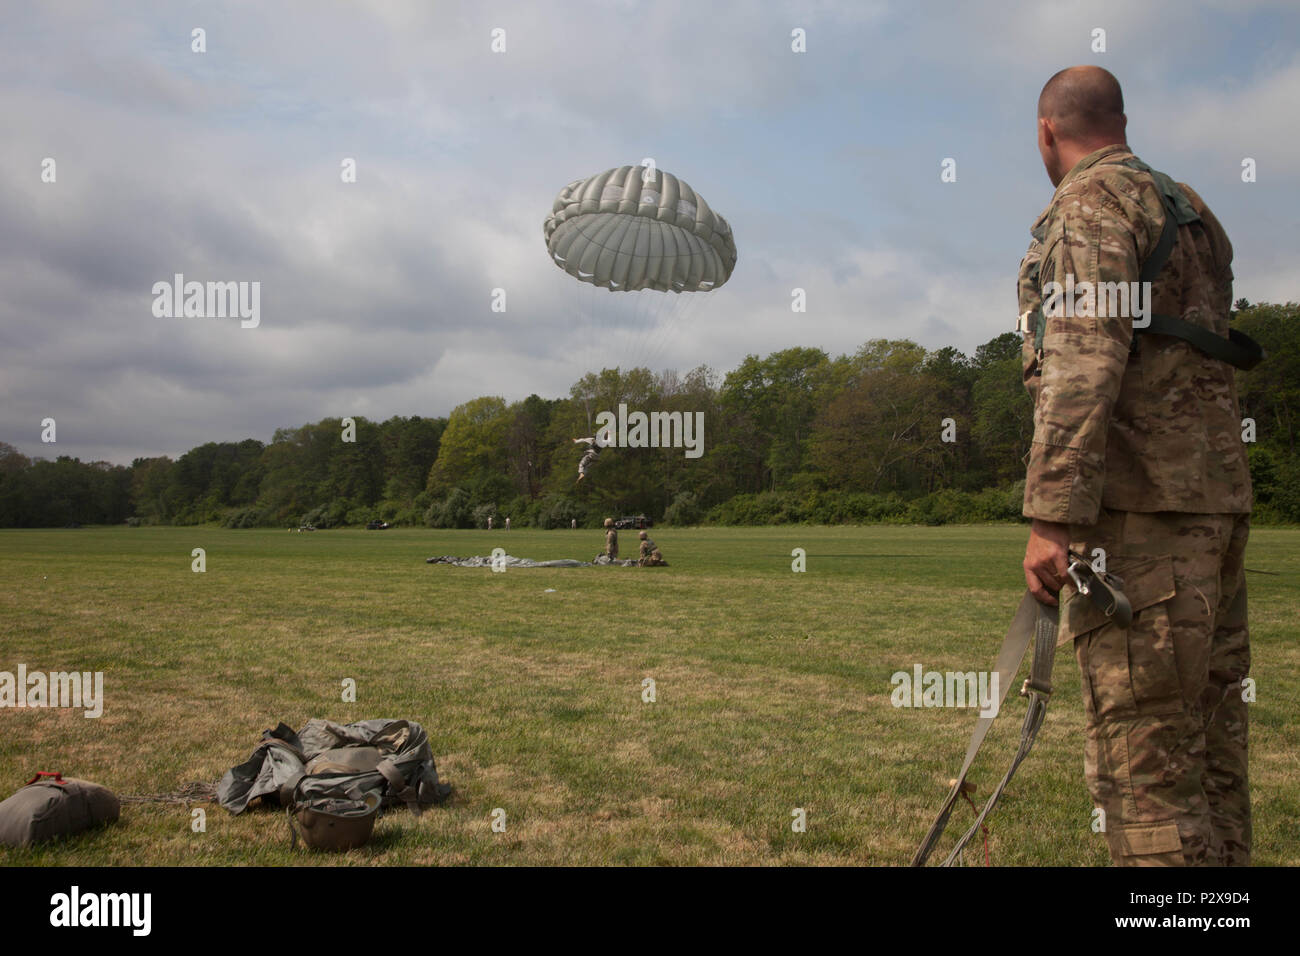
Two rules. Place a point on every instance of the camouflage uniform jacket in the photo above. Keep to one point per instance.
(1158, 430)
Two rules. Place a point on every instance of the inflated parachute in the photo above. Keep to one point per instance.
(637, 227)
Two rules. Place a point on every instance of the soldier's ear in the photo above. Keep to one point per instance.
(1046, 132)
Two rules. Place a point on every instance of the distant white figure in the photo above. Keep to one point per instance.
(489, 522)
(573, 523)
(507, 524)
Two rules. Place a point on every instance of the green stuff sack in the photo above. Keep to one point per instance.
(49, 807)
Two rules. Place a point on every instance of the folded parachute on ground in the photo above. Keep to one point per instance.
(392, 758)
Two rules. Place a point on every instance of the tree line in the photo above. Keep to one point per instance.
(892, 432)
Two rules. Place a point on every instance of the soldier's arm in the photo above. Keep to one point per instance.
(1092, 239)
(1027, 296)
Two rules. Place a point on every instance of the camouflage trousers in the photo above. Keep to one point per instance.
(1165, 755)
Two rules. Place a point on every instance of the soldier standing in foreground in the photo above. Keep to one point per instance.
(1137, 451)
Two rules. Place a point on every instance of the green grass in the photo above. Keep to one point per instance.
(773, 690)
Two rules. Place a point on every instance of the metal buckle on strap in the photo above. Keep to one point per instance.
(1031, 686)
(1080, 582)
(1104, 590)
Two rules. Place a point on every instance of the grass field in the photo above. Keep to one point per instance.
(773, 690)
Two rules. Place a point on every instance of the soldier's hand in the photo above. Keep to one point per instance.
(1046, 559)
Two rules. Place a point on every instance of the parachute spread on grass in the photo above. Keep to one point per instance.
(637, 227)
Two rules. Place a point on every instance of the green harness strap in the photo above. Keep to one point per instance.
(1238, 349)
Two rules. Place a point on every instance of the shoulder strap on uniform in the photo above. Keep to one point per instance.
(1164, 246)
(1239, 349)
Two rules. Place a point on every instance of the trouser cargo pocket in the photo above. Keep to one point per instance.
(1129, 671)
(1146, 844)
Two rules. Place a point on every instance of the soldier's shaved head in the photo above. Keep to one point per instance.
(1080, 110)
(1086, 105)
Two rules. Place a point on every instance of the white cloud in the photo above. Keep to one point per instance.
(376, 295)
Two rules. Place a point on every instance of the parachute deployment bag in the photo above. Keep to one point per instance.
(49, 807)
(332, 811)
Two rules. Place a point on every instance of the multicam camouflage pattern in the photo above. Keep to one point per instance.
(1030, 297)
(650, 556)
(1156, 431)
(1165, 755)
(611, 544)
(1142, 455)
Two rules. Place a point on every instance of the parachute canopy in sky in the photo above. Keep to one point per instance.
(637, 227)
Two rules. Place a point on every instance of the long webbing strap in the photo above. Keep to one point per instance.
(1038, 688)
(1036, 623)
(1014, 646)
(1239, 350)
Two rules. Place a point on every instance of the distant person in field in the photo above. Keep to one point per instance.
(489, 522)
(650, 556)
(573, 524)
(507, 524)
(611, 539)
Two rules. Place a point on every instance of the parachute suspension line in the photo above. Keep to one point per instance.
(667, 312)
(651, 313)
(647, 313)
(581, 327)
(576, 331)
(685, 319)
(593, 333)
(677, 319)
(665, 334)
(589, 294)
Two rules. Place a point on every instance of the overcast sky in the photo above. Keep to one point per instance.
(376, 295)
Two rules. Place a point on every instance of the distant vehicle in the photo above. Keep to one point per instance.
(377, 525)
(308, 527)
(633, 522)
